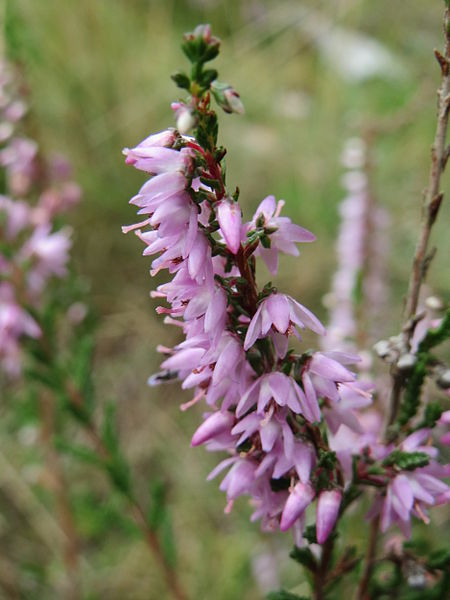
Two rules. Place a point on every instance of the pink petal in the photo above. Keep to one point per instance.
(278, 308)
(230, 221)
(254, 330)
(301, 496)
(329, 368)
(304, 318)
(327, 512)
(215, 424)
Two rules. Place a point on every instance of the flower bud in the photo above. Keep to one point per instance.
(327, 512)
(227, 98)
(184, 117)
(406, 362)
(230, 221)
(199, 45)
(203, 31)
(215, 424)
(301, 496)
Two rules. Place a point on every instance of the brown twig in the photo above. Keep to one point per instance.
(433, 196)
(320, 576)
(369, 564)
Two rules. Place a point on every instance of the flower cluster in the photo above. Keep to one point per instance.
(279, 415)
(31, 250)
(359, 282)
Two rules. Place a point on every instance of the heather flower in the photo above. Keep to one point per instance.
(15, 322)
(328, 506)
(299, 499)
(292, 424)
(229, 217)
(213, 425)
(277, 386)
(163, 139)
(227, 98)
(32, 251)
(410, 492)
(283, 234)
(281, 312)
(184, 116)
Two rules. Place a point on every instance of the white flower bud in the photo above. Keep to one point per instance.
(406, 362)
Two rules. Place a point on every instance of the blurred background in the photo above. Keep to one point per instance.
(311, 74)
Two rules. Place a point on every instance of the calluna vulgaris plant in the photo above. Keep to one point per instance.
(300, 440)
(303, 431)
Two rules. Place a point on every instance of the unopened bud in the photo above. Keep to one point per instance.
(199, 45)
(203, 31)
(434, 303)
(406, 362)
(443, 380)
(227, 98)
(184, 117)
(382, 348)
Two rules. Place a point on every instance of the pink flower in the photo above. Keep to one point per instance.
(283, 234)
(277, 386)
(162, 139)
(229, 217)
(215, 424)
(300, 498)
(184, 117)
(327, 512)
(280, 311)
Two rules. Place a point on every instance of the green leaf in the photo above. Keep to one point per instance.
(159, 519)
(436, 336)
(77, 451)
(265, 241)
(351, 494)
(411, 398)
(432, 414)
(116, 466)
(109, 431)
(207, 130)
(207, 76)
(305, 557)
(310, 534)
(327, 460)
(43, 376)
(407, 461)
(190, 51)
(181, 80)
(82, 368)
(210, 53)
(439, 559)
(119, 474)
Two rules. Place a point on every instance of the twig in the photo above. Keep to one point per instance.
(369, 564)
(320, 576)
(433, 196)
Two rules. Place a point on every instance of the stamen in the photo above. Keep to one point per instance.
(195, 399)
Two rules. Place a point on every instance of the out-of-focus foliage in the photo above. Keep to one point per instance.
(311, 74)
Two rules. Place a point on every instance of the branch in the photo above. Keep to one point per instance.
(433, 196)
